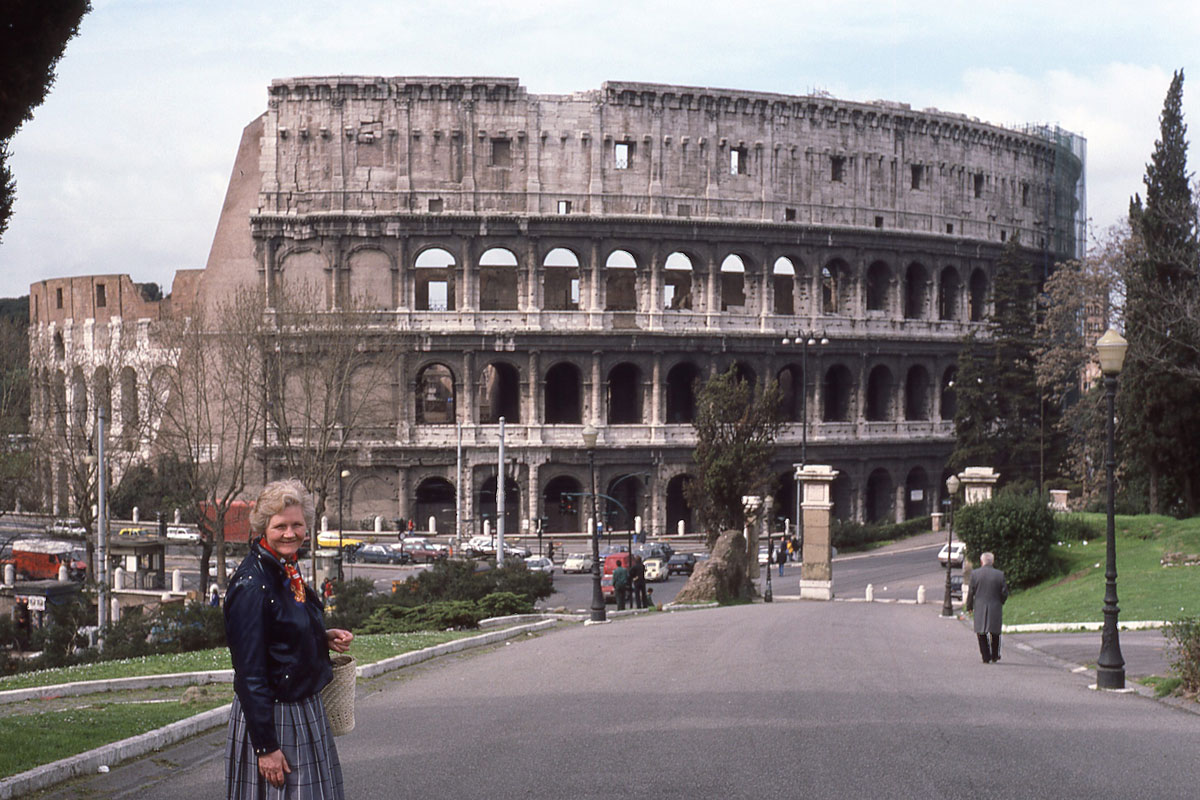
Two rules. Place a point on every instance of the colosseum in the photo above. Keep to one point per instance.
(571, 260)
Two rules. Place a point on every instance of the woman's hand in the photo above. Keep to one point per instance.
(273, 766)
(338, 639)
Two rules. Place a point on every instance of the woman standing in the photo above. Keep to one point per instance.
(279, 743)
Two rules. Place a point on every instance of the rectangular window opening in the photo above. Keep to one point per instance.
(739, 161)
(101, 296)
(949, 227)
(683, 211)
(979, 184)
(879, 222)
(837, 169)
(436, 205)
(1025, 194)
(58, 297)
(1004, 236)
(501, 152)
(789, 215)
(917, 171)
(623, 155)
(564, 206)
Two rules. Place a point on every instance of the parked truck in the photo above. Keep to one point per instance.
(40, 559)
(237, 524)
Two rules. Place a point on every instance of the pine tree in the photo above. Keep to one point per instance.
(974, 408)
(1160, 422)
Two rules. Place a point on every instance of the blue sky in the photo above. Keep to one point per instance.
(124, 168)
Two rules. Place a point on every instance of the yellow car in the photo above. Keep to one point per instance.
(329, 539)
(135, 532)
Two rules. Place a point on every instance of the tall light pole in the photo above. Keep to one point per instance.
(599, 614)
(952, 484)
(805, 340)
(1110, 666)
(341, 477)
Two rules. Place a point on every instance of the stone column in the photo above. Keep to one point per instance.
(901, 502)
(816, 572)
(978, 484)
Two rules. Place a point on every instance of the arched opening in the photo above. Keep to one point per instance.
(102, 390)
(745, 373)
(836, 288)
(562, 398)
(486, 503)
(498, 280)
(499, 394)
(435, 498)
(627, 490)
(837, 394)
(678, 509)
(979, 293)
(562, 505)
(733, 283)
(79, 403)
(434, 280)
(949, 400)
(681, 393)
(916, 393)
(879, 282)
(130, 412)
(677, 282)
(916, 493)
(916, 292)
(948, 288)
(879, 394)
(560, 280)
(58, 402)
(60, 348)
(791, 388)
(625, 394)
(880, 499)
(784, 282)
(435, 395)
(620, 281)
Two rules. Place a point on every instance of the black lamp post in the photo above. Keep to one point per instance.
(599, 614)
(952, 484)
(1110, 666)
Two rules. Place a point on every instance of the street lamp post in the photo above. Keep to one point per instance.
(1110, 666)
(341, 477)
(805, 340)
(952, 485)
(599, 614)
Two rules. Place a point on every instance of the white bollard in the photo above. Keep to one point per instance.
(487, 528)
(119, 579)
(324, 523)
(921, 595)
(10, 574)
(176, 580)
(178, 517)
(115, 615)
(680, 528)
(870, 593)
(432, 524)
(62, 572)
(378, 524)
(137, 514)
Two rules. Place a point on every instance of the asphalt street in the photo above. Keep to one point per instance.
(820, 699)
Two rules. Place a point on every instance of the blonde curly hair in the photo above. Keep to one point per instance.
(277, 496)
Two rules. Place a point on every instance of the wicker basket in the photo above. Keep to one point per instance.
(338, 696)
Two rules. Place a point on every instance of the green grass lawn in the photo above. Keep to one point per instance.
(1146, 590)
(366, 649)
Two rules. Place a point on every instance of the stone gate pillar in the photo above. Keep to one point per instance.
(978, 484)
(816, 571)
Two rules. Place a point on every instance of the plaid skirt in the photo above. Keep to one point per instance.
(307, 744)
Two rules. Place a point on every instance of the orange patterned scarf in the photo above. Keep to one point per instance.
(290, 568)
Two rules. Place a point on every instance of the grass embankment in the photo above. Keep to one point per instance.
(40, 731)
(1146, 589)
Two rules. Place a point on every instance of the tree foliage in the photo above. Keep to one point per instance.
(736, 424)
(33, 37)
(1160, 421)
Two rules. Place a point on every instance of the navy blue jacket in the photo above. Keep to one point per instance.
(278, 646)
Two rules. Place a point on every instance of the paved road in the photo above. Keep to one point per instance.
(820, 699)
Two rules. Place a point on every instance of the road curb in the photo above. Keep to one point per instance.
(115, 752)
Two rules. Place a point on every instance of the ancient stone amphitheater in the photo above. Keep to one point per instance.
(571, 260)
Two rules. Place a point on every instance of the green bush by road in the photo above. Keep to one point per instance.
(1146, 589)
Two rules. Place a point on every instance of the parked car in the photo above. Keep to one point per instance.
(578, 562)
(648, 550)
(135, 532)
(957, 551)
(66, 527)
(539, 564)
(764, 556)
(181, 534)
(681, 563)
(377, 554)
(656, 569)
(420, 551)
(956, 588)
(329, 539)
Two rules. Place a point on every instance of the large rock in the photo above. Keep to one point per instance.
(724, 577)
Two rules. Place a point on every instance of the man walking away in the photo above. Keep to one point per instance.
(986, 594)
(637, 582)
(620, 584)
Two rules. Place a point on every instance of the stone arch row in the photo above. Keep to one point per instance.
(880, 495)
(624, 279)
(842, 395)
(61, 402)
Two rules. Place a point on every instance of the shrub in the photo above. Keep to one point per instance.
(353, 602)
(464, 580)
(1184, 638)
(851, 535)
(501, 604)
(456, 614)
(1018, 528)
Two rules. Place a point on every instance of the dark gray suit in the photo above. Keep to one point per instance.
(986, 594)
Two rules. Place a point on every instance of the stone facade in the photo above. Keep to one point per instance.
(582, 259)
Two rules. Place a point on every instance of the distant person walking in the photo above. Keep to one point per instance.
(986, 594)
(637, 582)
(781, 556)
